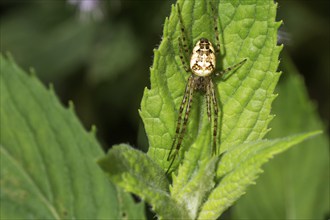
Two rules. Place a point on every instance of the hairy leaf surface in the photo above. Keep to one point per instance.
(135, 172)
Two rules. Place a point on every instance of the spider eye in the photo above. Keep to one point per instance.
(204, 40)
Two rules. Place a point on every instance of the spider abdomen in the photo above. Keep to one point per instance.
(203, 60)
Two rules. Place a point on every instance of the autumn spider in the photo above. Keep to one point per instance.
(202, 67)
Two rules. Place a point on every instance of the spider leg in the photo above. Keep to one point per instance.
(215, 118)
(182, 56)
(186, 116)
(178, 126)
(222, 72)
(180, 133)
(208, 102)
(183, 35)
(216, 29)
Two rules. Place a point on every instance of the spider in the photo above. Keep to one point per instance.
(202, 67)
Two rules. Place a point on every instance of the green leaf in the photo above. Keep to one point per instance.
(247, 30)
(193, 193)
(137, 173)
(48, 168)
(295, 185)
(203, 188)
(239, 168)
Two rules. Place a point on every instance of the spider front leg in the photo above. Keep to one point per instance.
(180, 131)
(184, 42)
(183, 45)
(183, 57)
(228, 69)
(216, 29)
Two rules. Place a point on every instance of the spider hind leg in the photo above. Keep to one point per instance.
(180, 130)
(215, 116)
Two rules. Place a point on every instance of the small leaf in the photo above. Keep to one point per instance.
(239, 168)
(193, 192)
(135, 172)
(48, 168)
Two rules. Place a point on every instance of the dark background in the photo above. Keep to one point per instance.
(102, 62)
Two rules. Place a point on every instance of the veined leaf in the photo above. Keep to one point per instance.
(48, 168)
(202, 187)
(241, 165)
(247, 30)
(137, 173)
(295, 185)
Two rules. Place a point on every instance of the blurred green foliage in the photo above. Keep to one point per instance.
(100, 64)
(308, 44)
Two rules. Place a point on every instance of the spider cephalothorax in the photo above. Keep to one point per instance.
(202, 67)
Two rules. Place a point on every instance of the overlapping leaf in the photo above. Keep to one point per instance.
(296, 184)
(137, 173)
